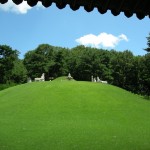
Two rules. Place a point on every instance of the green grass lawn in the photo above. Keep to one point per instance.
(73, 115)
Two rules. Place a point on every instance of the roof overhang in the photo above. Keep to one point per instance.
(139, 7)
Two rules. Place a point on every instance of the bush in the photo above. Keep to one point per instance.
(5, 86)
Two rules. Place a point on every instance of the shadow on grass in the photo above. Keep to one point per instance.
(5, 86)
(147, 97)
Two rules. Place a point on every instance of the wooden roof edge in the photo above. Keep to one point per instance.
(139, 7)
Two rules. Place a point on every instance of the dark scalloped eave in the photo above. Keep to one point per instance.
(139, 7)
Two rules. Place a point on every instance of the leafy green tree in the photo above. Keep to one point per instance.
(122, 69)
(145, 75)
(80, 64)
(19, 72)
(122, 65)
(87, 61)
(102, 65)
(136, 75)
(7, 58)
(39, 61)
(148, 43)
(61, 58)
(29, 62)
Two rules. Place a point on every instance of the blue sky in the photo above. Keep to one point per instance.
(24, 28)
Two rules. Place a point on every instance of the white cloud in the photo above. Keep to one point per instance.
(23, 8)
(102, 40)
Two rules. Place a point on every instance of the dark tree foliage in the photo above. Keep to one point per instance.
(148, 43)
(122, 69)
(12, 70)
(39, 60)
(60, 67)
(145, 75)
(80, 63)
(7, 58)
(19, 72)
(46, 59)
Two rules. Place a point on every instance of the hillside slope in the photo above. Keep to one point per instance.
(71, 115)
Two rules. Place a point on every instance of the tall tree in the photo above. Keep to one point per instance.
(148, 43)
(60, 67)
(39, 61)
(87, 61)
(19, 72)
(80, 64)
(145, 75)
(122, 65)
(7, 58)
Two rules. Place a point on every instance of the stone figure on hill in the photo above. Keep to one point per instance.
(42, 78)
(69, 77)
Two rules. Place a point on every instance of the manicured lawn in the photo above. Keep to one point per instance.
(72, 115)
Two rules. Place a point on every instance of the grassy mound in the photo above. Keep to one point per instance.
(73, 116)
(63, 78)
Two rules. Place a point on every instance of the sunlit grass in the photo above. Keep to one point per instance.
(62, 115)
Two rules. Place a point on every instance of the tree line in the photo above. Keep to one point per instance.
(121, 69)
(12, 69)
